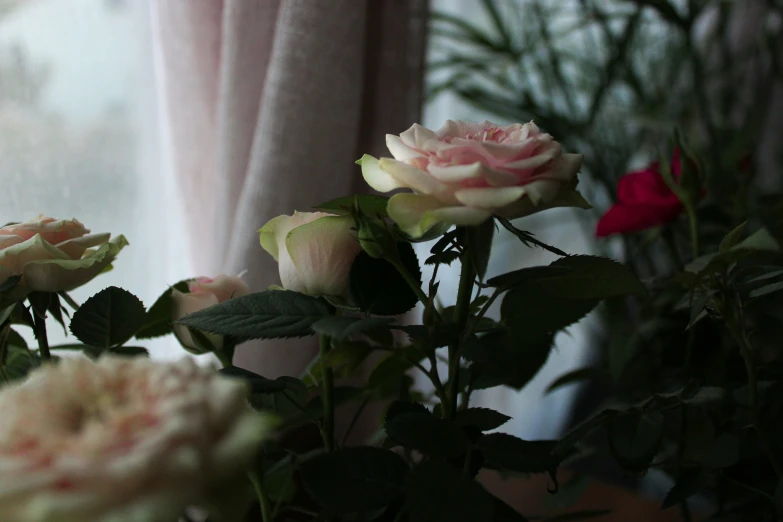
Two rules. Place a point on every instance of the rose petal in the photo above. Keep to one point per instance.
(552, 151)
(417, 136)
(399, 150)
(10, 240)
(34, 249)
(74, 248)
(623, 219)
(223, 287)
(56, 275)
(322, 252)
(489, 197)
(567, 196)
(378, 179)
(567, 166)
(183, 304)
(415, 214)
(410, 177)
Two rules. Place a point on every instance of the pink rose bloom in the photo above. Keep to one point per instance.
(314, 251)
(121, 440)
(53, 255)
(466, 172)
(203, 293)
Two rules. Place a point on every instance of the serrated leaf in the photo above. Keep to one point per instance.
(369, 204)
(388, 370)
(157, 321)
(478, 241)
(427, 434)
(378, 288)
(766, 289)
(506, 452)
(355, 480)
(634, 439)
(524, 275)
(257, 383)
(732, 238)
(265, 315)
(507, 358)
(574, 376)
(109, 318)
(484, 419)
(436, 491)
(592, 277)
(130, 351)
(442, 258)
(761, 240)
(341, 327)
(401, 407)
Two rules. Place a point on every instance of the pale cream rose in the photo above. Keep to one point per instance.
(203, 293)
(121, 440)
(53, 255)
(467, 172)
(314, 251)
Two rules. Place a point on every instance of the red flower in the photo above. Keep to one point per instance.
(643, 201)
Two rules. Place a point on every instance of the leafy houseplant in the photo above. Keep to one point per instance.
(348, 274)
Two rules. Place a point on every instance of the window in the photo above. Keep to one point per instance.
(79, 137)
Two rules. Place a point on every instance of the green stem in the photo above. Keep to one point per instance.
(355, 418)
(415, 286)
(263, 498)
(747, 355)
(328, 394)
(256, 477)
(461, 313)
(39, 329)
(694, 228)
(224, 358)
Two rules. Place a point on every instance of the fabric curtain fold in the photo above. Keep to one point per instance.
(270, 102)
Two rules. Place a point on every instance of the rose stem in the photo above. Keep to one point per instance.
(461, 313)
(263, 498)
(225, 356)
(328, 393)
(39, 329)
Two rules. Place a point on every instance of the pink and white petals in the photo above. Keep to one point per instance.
(467, 172)
(53, 255)
(122, 440)
(203, 292)
(314, 251)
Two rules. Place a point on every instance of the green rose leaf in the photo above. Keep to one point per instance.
(577, 277)
(437, 491)
(505, 452)
(429, 434)
(507, 357)
(634, 439)
(484, 419)
(265, 315)
(356, 480)
(479, 245)
(258, 384)
(343, 327)
(109, 318)
(157, 322)
(574, 376)
(378, 288)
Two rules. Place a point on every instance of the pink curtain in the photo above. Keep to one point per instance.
(269, 103)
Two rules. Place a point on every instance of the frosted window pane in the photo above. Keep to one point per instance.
(79, 137)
